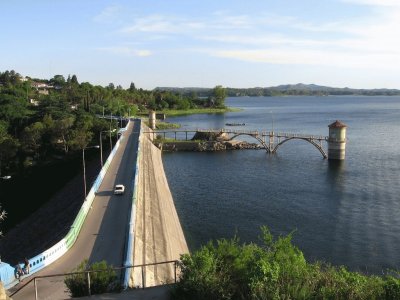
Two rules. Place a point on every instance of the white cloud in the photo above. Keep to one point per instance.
(108, 14)
(271, 40)
(384, 3)
(162, 24)
(143, 53)
(126, 51)
(287, 56)
(154, 24)
(365, 42)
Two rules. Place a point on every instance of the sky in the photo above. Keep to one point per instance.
(187, 43)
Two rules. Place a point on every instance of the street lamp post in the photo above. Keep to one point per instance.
(272, 118)
(84, 165)
(101, 145)
(6, 177)
(101, 150)
(110, 131)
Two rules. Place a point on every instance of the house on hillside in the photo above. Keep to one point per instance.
(34, 102)
(41, 87)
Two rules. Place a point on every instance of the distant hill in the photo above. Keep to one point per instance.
(299, 89)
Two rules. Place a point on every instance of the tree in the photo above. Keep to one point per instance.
(80, 138)
(218, 96)
(8, 146)
(13, 110)
(32, 138)
(61, 132)
(10, 78)
(58, 80)
(74, 79)
(183, 104)
(132, 87)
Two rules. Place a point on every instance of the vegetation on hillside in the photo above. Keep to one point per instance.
(287, 90)
(276, 270)
(41, 120)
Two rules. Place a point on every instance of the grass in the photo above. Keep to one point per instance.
(166, 125)
(161, 139)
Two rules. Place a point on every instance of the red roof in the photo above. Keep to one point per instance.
(337, 124)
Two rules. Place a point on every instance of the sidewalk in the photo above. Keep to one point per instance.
(152, 293)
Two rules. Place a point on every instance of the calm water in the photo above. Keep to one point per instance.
(345, 213)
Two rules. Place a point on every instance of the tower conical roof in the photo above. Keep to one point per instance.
(337, 124)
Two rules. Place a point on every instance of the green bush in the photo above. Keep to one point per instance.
(102, 280)
(392, 288)
(277, 269)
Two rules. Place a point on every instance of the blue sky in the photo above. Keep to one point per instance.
(186, 43)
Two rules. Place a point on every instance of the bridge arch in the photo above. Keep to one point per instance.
(319, 147)
(254, 136)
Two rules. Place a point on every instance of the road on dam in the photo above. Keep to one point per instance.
(103, 234)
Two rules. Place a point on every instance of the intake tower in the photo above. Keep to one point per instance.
(337, 141)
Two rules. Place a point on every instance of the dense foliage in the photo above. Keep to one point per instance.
(43, 119)
(275, 270)
(103, 279)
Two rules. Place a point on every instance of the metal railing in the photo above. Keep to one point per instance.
(87, 275)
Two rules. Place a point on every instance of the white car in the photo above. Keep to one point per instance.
(119, 189)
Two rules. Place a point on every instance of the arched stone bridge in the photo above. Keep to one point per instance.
(270, 140)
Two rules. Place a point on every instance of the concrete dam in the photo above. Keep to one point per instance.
(158, 232)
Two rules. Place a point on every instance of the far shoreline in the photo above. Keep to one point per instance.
(193, 111)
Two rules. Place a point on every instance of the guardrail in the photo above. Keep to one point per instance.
(131, 226)
(35, 279)
(50, 255)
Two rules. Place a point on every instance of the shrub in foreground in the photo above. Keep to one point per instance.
(103, 280)
(277, 269)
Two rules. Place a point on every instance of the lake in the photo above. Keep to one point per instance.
(344, 213)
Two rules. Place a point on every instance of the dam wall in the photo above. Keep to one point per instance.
(158, 235)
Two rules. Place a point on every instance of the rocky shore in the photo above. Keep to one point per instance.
(206, 141)
(202, 146)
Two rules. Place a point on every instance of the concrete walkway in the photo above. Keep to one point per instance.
(159, 236)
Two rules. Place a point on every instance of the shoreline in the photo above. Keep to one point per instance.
(193, 111)
(207, 146)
